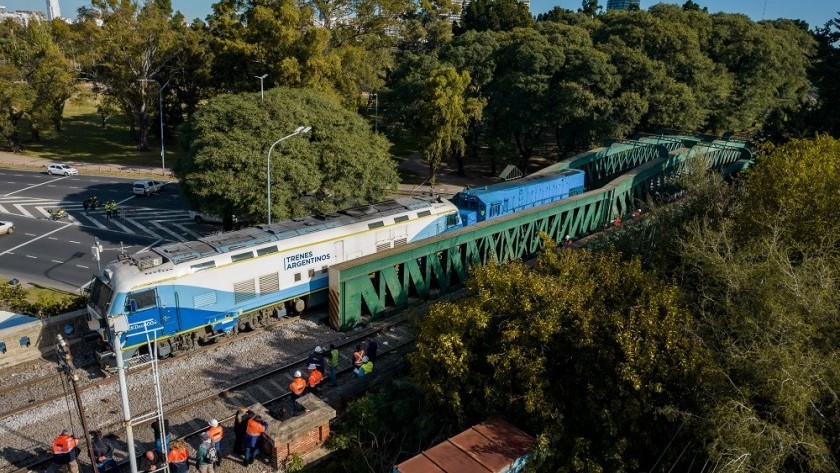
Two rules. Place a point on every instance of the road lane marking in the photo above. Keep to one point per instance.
(36, 185)
(186, 230)
(82, 266)
(52, 238)
(30, 256)
(76, 242)
(3, 210)
(123, 227)
(9, 251)
(96, 222)
(177, 237)
(153, 244)
(124, 200)
(144, 228)
(25, 212)
(56, 261)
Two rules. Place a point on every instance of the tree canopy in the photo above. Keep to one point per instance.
(340, 163)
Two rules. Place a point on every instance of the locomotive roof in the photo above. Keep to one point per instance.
(522, 182)
(180, 252)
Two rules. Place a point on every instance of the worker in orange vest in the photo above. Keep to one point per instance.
(178, 457)
(315, 378)
(617, 221)
(297, 388)
(215, 432)
(65, 451)
(358, 355)
(253, 431)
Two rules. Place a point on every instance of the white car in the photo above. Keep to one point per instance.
(62, 170)
(147, 187)
(7, 228)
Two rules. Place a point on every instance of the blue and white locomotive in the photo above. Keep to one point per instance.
(489, 202)
(196, 291)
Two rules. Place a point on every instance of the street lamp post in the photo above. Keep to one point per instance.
(299, 130)
(160, 112)
(262, 96)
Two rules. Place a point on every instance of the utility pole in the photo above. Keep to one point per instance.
(261, 78)
(66, 364)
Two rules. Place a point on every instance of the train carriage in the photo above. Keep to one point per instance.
(199, 290)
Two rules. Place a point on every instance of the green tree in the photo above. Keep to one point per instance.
(227, 140)
(826, 78)
(794, 186)
(590, 8)
(446, 111)
(494, 15)
(594, 355)
(137, 44)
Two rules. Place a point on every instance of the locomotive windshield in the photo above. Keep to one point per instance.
(100, 295)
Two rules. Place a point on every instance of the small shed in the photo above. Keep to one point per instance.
(493, 446)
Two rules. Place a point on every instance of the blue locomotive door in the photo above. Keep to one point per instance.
(168, 302)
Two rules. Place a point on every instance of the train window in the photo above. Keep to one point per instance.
(451, 220)
(24, 342)
(242, 256)
(311, 273)
(401, 218)
(3, 348)
(495, 209)
(297, 277)
(267, 251)
(142, 299)
(204, 265)
(324, 270)
(376, 224)
(424, 213)
(69, 329)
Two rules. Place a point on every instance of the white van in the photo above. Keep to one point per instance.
(147, 187)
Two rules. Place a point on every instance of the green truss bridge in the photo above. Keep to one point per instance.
(619, 175)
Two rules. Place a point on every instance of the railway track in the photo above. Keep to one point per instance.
(267, 386)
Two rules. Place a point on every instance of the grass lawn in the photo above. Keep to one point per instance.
(82, 139)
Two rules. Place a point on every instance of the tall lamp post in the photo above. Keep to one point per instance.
(261, 78)
(299, 130)
(375, 112)
(160, 112)
(66, 363)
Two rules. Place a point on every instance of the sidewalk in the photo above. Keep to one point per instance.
(448, 182)
(19, 161)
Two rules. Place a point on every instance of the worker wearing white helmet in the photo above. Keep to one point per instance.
(297, 388)
(215, 432)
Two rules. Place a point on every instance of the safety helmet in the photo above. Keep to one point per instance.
(312, 366)
(298, 375)
(318, 349)
(213, 423)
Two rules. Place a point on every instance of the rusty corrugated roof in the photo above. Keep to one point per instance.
(489, 447)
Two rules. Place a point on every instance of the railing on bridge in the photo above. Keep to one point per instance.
(391, 279)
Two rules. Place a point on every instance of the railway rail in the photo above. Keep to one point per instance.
(266, 386)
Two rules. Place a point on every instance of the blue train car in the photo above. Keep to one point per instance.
(489, 202)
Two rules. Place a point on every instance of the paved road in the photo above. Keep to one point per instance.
(57, 253)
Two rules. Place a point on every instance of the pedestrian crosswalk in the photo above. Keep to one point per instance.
(173, 225)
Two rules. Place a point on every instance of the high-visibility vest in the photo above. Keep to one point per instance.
(297, 385)
(64, 444)
(215, 433)
(178, 455)
(315, 377)
(254, 428)
(368, 367)
(357, 357)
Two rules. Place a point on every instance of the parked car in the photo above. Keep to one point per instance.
(6, 228)
(202, 217)
(62, 170)
(147, 187)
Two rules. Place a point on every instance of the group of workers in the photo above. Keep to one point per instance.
(320, 364)
(248, 427)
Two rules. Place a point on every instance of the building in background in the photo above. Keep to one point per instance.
(621, 4)
(53, 10)
(21, 16)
